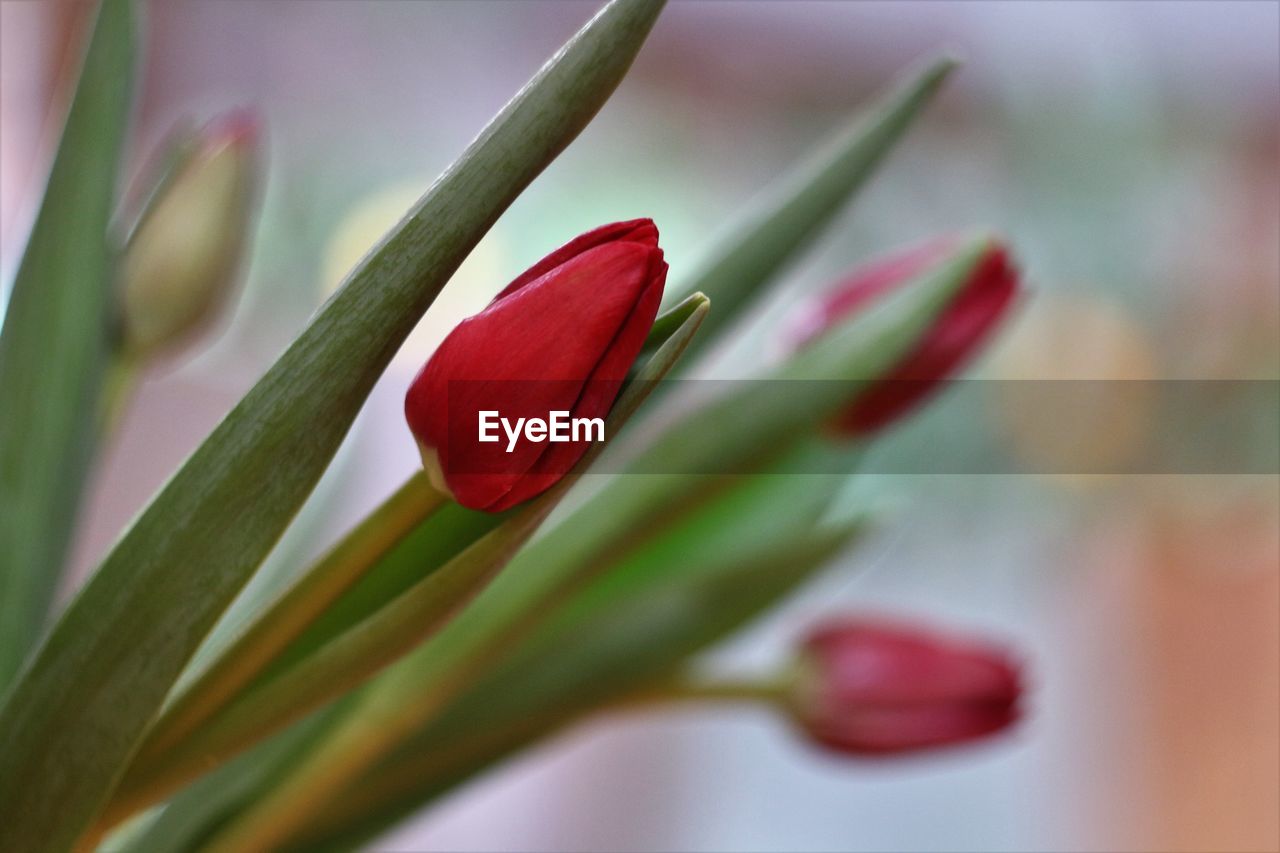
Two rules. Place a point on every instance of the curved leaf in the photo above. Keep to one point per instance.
(594, 659)
(793, 210)
(54, 344)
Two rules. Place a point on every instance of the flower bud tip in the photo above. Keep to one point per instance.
(241, 126)
(958, 331)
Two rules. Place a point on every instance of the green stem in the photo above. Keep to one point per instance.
(122, 376)
(479, 746)
(279, 625)
(679, 690)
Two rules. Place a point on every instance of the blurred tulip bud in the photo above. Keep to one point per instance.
(181, 260)
(873, 688)
(560, 338)
(958, 332)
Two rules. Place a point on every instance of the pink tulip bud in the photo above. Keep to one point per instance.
(872, 688)
(957, 333)
(560, 338)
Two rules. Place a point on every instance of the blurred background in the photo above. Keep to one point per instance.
(1130, 151)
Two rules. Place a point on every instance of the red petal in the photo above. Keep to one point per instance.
(641, 231)
(868, 283)
(957, 334)
(599, 392)
(883, 731)
(875, 663)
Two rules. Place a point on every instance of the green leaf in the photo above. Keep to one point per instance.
(55, 341)
(555, 675)
(587, 661)
(105, 670)
(793, 210)
(669, 321)
(193, 816)
(390, 632)
(446, 534)
(289, 614)
(751, 513)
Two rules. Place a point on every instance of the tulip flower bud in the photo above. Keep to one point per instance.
(956, 334)
(873, 688)
(182, 257)
(560, 338)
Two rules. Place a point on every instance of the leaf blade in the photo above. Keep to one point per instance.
(794, 209)
(594, 658)
(55, 340)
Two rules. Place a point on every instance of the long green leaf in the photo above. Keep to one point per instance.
(793, 210)
(55, 340)
(293, 610)
(590, 660)
(195, 815)
(70, 725)
(557, 674)
(590, 649)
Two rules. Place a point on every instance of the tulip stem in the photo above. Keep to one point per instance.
(121, 379)
(278, 625)
(771, 689)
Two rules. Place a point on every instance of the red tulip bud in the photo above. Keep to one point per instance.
(957, 333)
(869, 688)
(560, 338)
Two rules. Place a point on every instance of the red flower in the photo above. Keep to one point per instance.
(870, 688)
(561, 337)
(958, 332)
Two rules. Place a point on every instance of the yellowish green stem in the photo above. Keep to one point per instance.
(744, 690)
